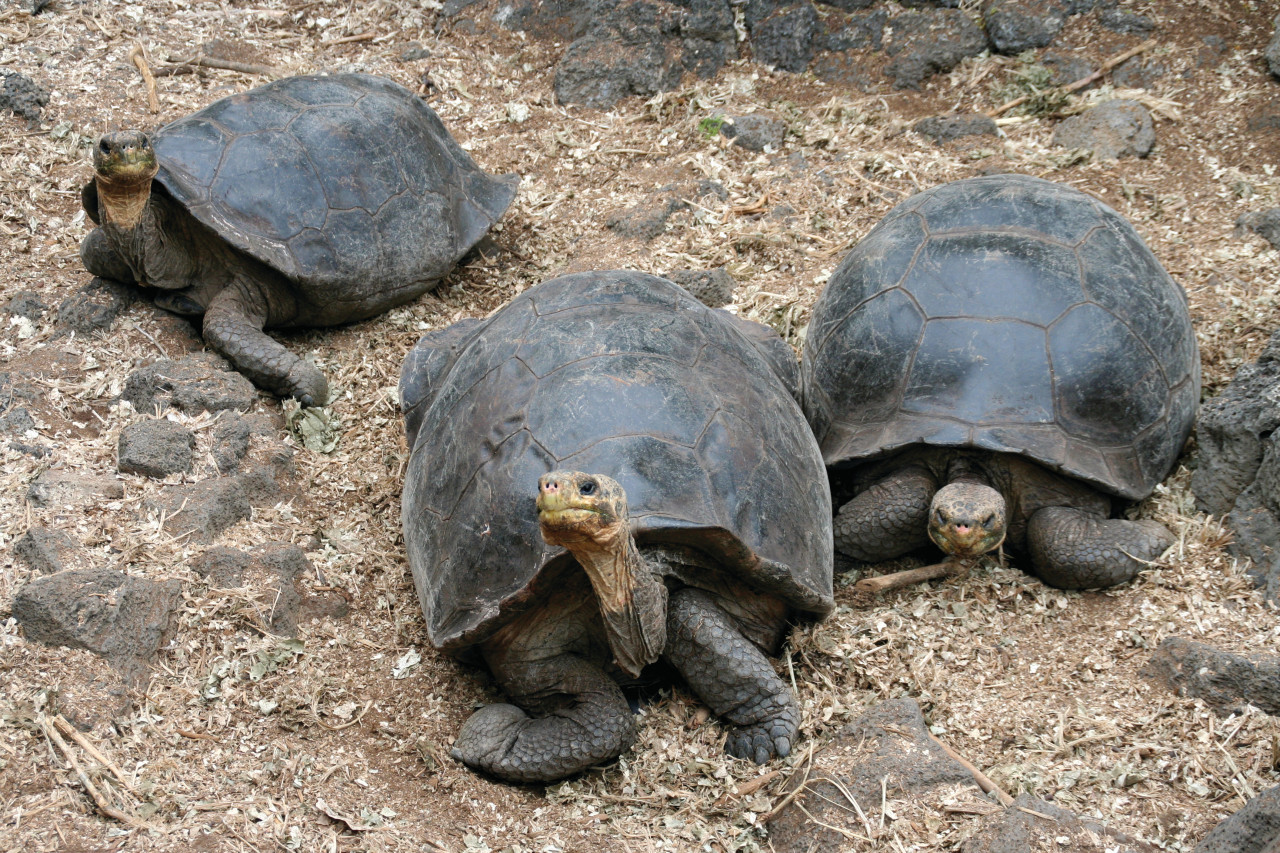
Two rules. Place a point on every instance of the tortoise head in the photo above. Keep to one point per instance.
(124, 164)
(125, 157)
(967, 519)
(577, 510)
(587, 515)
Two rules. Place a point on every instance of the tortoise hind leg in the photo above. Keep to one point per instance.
(1074, 549)
(233, 325)
(889, 519)
(731, 675)
(586, 720)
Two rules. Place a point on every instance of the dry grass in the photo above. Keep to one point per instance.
(245, 741)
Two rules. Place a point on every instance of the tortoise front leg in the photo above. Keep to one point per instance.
(101, 258)
(889, 519)
(731, 675)
(585, 720)
(1074, 549)
(233, 326)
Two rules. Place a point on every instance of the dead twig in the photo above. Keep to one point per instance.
(71, 732)
(189, 66)
(1083, 81)
(983, 780)
(138, 56)
(369, 36)
(51, 732)
(868, 587)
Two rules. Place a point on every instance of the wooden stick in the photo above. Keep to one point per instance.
(1083, 81)
(369, 36)
(188, 66)
(138, 57)
(868, 587)
(73, 733)
(99, 800)
(983, 780)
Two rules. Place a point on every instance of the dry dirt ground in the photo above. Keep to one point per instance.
(329, 751)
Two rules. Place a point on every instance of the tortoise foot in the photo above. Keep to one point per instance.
(764, 741)
(1072, 549)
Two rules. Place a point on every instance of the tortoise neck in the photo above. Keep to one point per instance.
(123, 201)
(632, 596)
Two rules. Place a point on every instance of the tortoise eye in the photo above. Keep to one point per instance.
(989, 520)
(103, 146)
(587, 488)
(942, 519)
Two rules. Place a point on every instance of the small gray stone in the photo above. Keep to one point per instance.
(648, 218)
(95, 307)
(121, 617)
(1265, 223)
(64, 488)
(1065, 69)
(1123, 21)
(755, 132)
(1138, 73)
(27, 304)
(293, 603)
(1253, 829)
(1017, 25)
(155, 448)
(414, 52)
(890, 743)
(16, 421)
(712, 288)
(223, 566)
(48, 551)
(1020, 828)
(201, 510)
(1225, 681)
(22, 96)
(1111, 130)
(948, 128)
(192, 384)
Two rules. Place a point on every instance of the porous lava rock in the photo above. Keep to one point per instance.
(49, 550)
(1253, 829)
(155, 447)
(1225, 681)
(121, 617)
(1111, 130)
(22, 96)
(58, 489)
(949, 128)
(1017, 25)
(1264, 223)
(889, 745)
(713, 287)
(755, 132)
(928, 42)
(1031, 824)
(1238, 475)
(192, 384)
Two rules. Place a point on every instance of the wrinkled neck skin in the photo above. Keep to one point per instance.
(151, 241)
(632, 596)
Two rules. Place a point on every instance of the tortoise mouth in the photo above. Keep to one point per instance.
(567, 516)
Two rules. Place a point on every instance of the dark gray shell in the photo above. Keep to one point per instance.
(332, 180)
(1010, 314)
(616, 373)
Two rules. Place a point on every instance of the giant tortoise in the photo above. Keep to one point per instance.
(311, 201)
(997, 360)
(603, 473)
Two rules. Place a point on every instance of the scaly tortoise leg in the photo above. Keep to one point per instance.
(233, 326)
(100, 258)
(583, 720)
(731, 675)
(1074, 549)
(889, 519)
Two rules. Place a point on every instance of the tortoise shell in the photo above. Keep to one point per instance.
(335, 181)
(616, 373)
(1010, 314)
